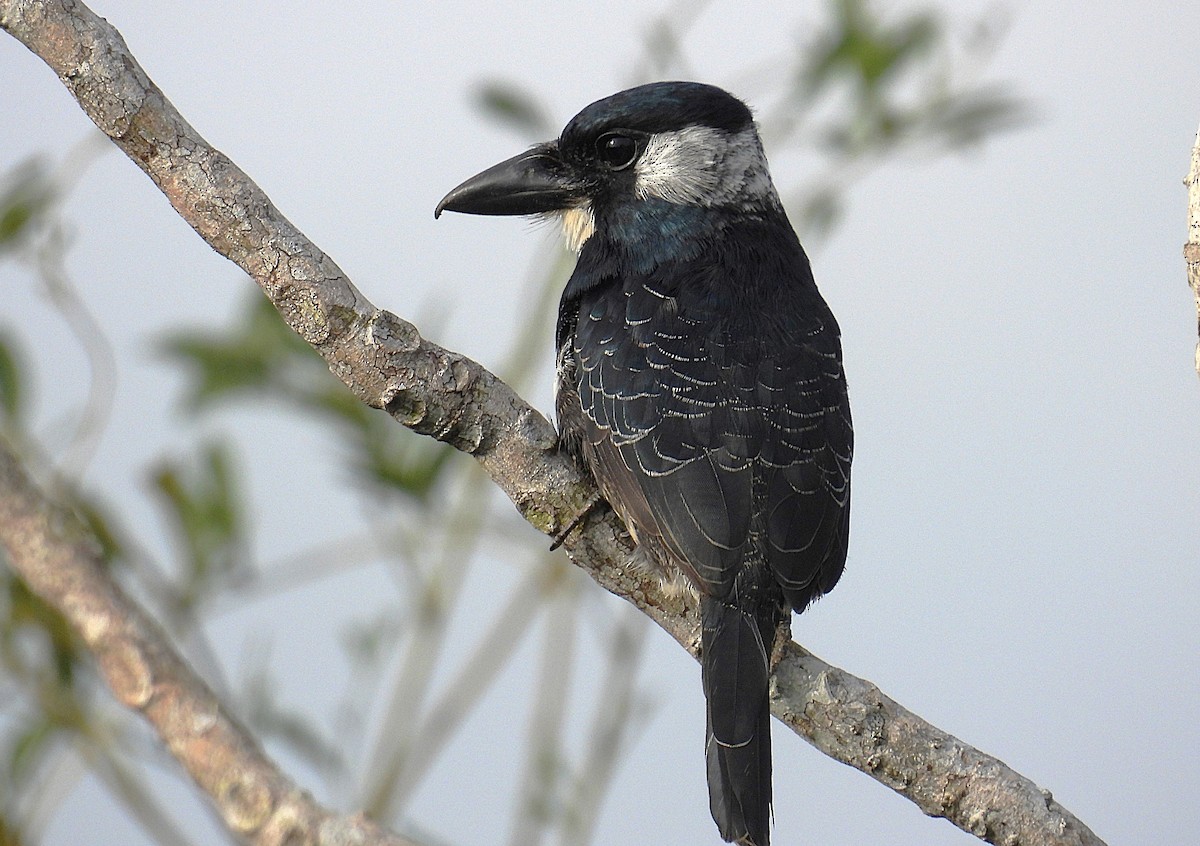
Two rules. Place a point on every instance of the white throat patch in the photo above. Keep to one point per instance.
(578, 224)
(700, 165)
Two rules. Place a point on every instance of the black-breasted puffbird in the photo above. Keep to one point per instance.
(700, 381)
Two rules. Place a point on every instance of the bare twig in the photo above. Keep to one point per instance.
(538, 794)
(610, 733)
(466, 690)
(387, 364)
(1191, 250)
(51, 549)
(44, 252)
(143, 805)
(430, 627)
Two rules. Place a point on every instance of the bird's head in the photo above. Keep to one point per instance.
(681, 144)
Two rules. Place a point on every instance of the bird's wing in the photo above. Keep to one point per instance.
(692, 435)
(807, 452)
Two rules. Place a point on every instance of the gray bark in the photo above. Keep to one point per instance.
(1191, 250)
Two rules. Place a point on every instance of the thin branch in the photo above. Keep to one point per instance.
(479, 672)
(610, 732)
(102, 362)
(538, 794)
(143, 805)
(439, 590)
(53, 552)
(437, 392)
(1191, 250)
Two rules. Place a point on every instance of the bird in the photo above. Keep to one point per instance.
(700, 382)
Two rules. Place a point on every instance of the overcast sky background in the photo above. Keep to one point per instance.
(1018, 334)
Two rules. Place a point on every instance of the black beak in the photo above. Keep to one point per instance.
(533, 182)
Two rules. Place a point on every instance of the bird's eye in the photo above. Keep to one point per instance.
(616, 151)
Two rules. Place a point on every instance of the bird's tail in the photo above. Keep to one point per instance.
(735, 667)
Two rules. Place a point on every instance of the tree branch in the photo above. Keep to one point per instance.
(437, 392)
(57, 557)
(1191, 250)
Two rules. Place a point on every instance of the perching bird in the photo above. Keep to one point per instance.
(699, 380)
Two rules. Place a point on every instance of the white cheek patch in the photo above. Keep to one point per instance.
(700, 165)
(681, 166)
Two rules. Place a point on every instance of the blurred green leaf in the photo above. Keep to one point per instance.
(333, 400)
(201, 501)
(221, 369)
(260, 357)
(864, 49)
(26, 610)
(26, 193)
(12, 393)
(971, 117)
(30, 746)
(511, 105)
(9, 836)
(381, 451)
(95, 517)
(256, 354)
(896, 80)
(820, 211)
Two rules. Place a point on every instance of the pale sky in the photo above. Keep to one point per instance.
(1018, 336)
